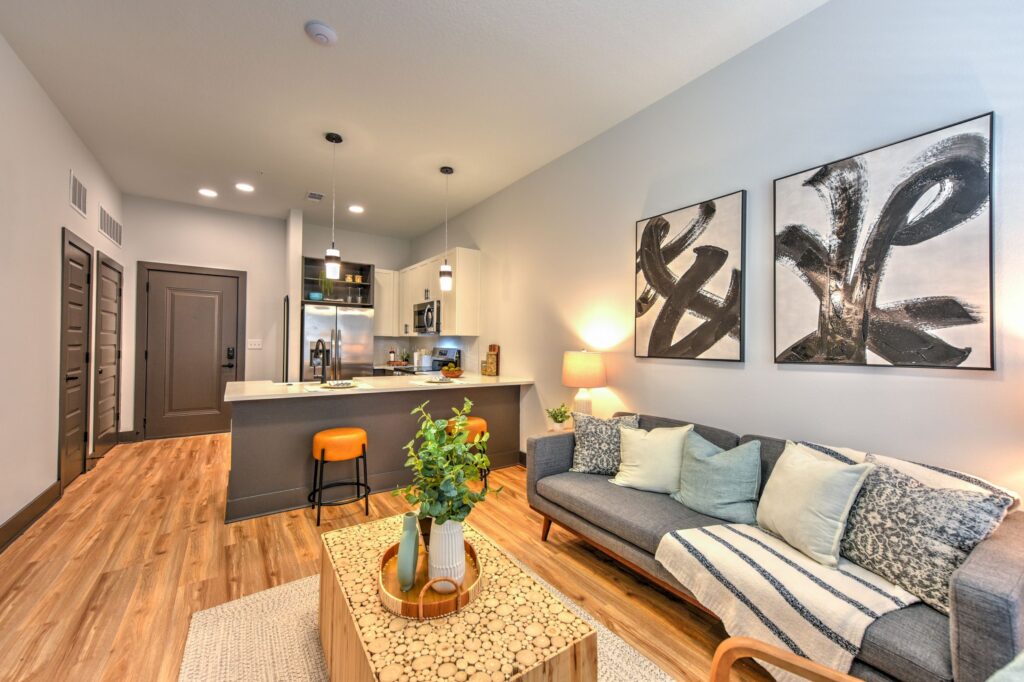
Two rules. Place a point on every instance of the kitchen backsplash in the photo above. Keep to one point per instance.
(468, 346)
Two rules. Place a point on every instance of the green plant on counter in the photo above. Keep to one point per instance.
(443, 463)
(406, 356)
(559, 414)
(326, 285)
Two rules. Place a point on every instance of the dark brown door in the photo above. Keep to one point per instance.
(76, 280)
(192, 352)
(107, 358)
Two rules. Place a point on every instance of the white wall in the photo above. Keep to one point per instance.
(852, 75)
(389, 253)
(182, 234)
(37, 149)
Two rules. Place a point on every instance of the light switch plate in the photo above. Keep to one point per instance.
(254, 344)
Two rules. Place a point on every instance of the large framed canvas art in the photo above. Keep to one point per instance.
(689, 282)
(885, 258)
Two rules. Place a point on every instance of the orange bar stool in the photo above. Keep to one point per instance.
(339, 445)
(475, 426)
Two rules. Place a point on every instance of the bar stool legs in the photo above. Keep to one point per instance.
(361, 484)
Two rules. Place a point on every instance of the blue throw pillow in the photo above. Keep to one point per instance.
(720, 483)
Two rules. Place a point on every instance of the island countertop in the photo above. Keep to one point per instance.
(240, 391)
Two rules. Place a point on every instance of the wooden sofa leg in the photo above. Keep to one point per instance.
(545, 529)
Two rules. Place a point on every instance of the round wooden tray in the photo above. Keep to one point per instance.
(422, 602)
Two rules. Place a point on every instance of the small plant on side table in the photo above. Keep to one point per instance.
(559, 415)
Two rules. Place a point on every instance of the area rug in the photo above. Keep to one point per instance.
(274, 636)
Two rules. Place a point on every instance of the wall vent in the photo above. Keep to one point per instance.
(110, 227)
(79, 194)
(315, 196)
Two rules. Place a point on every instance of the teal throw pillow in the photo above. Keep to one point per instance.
(720, 483)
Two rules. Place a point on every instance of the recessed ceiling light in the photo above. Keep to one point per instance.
(244, 187)
(356, 208)
(207, 192)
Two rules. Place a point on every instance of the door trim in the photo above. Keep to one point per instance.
(69, 238)
(142, 326)
(101, 260)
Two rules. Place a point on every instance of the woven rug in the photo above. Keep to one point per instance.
(274, 636)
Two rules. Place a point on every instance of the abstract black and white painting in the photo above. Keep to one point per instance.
(884, 258)
(689, 282)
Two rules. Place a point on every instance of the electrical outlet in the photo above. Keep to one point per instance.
(254, 344)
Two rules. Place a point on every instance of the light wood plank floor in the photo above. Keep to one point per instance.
(103, 586)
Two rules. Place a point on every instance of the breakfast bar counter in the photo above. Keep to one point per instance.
(272, 427)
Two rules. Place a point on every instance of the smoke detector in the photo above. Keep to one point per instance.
(320, 33)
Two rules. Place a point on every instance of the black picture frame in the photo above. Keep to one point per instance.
(990, 279)
(740, 331)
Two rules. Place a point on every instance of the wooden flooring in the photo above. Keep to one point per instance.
(103, 586)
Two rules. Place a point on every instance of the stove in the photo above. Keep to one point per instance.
(439, 357)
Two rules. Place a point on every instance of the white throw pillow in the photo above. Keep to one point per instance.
(651, 459)
(807, 500)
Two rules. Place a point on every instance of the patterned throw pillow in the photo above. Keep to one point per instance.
(597, 443)
(916, 535)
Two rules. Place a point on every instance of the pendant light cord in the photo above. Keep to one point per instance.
(334, 189)
(446, 178)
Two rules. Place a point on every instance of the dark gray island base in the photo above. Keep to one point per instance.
(271, 439)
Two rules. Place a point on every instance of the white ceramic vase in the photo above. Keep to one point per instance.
(447, 555)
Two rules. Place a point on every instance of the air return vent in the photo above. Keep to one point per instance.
(79, 194)
(315, 196)
(110, 227)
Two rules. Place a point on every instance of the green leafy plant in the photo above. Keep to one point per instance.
(443, 463)
(326, 285)
(559, 414)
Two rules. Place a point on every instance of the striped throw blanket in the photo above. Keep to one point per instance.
(761, 587)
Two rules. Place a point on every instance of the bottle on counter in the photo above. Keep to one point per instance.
(391, 355)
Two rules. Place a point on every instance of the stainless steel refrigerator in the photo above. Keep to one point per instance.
(347, 335)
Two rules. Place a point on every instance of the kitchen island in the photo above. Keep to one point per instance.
(272, 427)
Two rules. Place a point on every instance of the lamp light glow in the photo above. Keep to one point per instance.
(244, 187)
(446, 277)
(332, 264)
(208, 193)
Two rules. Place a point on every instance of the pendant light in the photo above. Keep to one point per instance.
(332, 259)
(447, 280)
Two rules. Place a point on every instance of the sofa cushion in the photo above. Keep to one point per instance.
(636, 516)
(720, 437)
(598, 444)
(911, 643)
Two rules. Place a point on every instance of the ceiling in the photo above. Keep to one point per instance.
(174, 96)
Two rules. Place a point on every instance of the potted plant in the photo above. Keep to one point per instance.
(559, 415)
(443, 463)
(326, 285)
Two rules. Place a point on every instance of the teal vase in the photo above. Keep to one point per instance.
(408, 552)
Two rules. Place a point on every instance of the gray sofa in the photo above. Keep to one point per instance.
(983, 633)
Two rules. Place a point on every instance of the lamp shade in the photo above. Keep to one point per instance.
(583, 369)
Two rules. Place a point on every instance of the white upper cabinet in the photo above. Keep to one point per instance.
(385, 303)
(460, 307)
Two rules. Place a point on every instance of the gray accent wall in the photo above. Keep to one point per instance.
(850, 76)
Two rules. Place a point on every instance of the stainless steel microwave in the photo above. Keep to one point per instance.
(426, 317)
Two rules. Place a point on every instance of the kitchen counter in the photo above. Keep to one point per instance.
(272, 427)
(238, 391)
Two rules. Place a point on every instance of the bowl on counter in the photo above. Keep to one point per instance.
(316, 296)
(452, 373)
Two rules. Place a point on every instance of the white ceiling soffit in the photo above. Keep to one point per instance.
(173, 96)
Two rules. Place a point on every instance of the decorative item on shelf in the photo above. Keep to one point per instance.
(446, 275)
(326, 287)
(348, 278)
(491, 364)
(358, 279)
(332, 257)
(559, 415)
(451, 370)
(316, 296)
(443, 463)
(408, 552)
(583, 370)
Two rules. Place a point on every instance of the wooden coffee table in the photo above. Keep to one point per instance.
(515, 630)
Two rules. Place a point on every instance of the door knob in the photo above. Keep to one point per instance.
(70, 377)
(229, 365)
